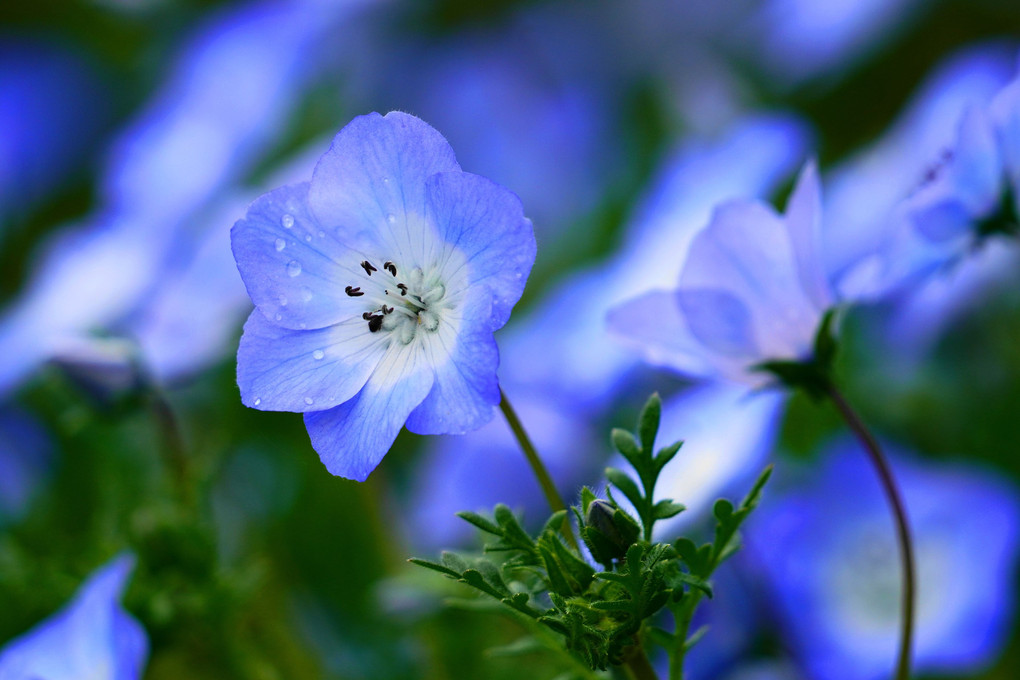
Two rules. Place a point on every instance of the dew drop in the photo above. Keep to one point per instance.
(318, 355)
(280, 244)
(287, 221)
(257, 401)
(322, 234)
(308, 237)
(392, 219)
(308, 400)
(306, 294)
(293, 268)
(283, 300)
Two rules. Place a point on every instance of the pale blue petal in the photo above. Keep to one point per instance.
(369, 188)
(804, 223)
(352, 438)
(289, 264)
(1006, 114)
(977, 164)
(466, 388)
(746, 252)
(91, 637)
(285, 370)
(486, 223)
(719, 321)
(654, 325)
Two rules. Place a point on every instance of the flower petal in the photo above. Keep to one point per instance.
(466, 388)
(352, 438)
(369, 188)
(486, 223)
(804, 222)
(746, 252)
(290, 271)
(719, 320)
(285, 370)
(1005, 110)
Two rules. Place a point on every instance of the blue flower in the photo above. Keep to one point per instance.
(92, 638)
(833, 569)
(752, 289)
(378, 286)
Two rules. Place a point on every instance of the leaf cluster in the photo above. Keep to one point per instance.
(599, 616)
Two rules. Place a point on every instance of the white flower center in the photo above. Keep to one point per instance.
(405, 304)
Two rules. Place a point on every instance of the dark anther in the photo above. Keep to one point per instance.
(353, 292)
(403, 288)
(375, 323)
(367, 266)
(387, 310)
(390, 267)
(367, 316)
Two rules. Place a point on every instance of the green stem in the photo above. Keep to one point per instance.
(899, 511)
(683, 615)
(638, 666)
(172, 445)
(552, 496)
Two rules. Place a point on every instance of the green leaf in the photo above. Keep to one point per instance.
(480, 522)
(660, 637)
(453, 561)
(624, 483)
(626, 444)
(442, 569)
(648, 423)
(665, 509)
(695, 636)
(692, 581)
(754, 495)
(587, 496)
(519, 647)
(666, 454)
(723, 510)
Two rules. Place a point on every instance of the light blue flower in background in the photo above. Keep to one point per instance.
(833, 569)
(26, 454)
(378, 286)
(752, 289)
(562, 345)
(53, 109)
(92, 638)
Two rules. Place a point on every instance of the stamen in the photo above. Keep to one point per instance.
(367, 316)
(387, 310)
(354, 291)
(390, 267)
(375, 323)
(403, 288)
(367, 266)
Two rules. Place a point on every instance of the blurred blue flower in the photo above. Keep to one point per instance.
(92, 638)
(833, 568)
(562, 345)
(52, 109)
(377, 287)
(26, 454)
(752, 289)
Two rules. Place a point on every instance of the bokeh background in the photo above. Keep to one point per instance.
(133, 133)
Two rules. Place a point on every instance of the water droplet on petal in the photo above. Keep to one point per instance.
(306, 294)
(257, 401)
(318, 355)
(392, 219)
(293, 268)
(287, 221)
(279, 317)
(321, 234)
(283, 300)
(280, 244)
(308, 237)
(308, 400)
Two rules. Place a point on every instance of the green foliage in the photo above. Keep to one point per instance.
(600, 617)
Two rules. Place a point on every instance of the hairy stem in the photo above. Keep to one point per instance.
(899, 511)
(552, 496)
(638, 666)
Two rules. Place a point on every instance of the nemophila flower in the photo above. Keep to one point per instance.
(92, 638)
(378, 286)
(751, 290)
(974, 192)
(833, 570)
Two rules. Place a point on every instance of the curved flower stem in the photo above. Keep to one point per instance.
(552, 496)
(892, 492)
(638, 666)
(172, 444)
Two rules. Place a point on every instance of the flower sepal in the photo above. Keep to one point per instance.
(814, 374)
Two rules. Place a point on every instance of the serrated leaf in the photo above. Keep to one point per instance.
(695, 636)
(666, 454)
(754, 495)
(665, 509)
(480, 522)
(453, 561)
(694, 582)
(587, 496)
(661, 637)
(626, 485)
(442, 569)
(648, 423)
(614, 605)
(723, 510)
(626, 444)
